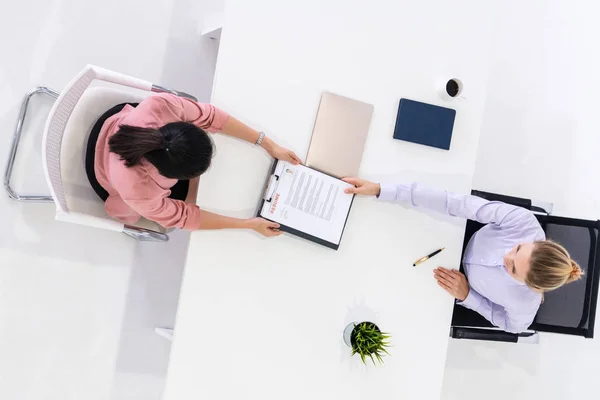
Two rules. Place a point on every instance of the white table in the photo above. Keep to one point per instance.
(263, 319)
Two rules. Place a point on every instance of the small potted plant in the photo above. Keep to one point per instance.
(367, 340)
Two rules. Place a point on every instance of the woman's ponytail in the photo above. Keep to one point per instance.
(576, 272)
(132, 143)
(178, 150)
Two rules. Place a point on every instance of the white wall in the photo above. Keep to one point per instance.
(539, 128)
(539, 140)
(78, 305)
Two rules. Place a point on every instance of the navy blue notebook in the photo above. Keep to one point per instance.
(424, 124)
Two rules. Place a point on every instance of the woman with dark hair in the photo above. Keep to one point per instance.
(145, 160)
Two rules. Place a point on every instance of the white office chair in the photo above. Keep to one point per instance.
(68, 126)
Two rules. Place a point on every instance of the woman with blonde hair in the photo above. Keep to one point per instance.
(509, 263)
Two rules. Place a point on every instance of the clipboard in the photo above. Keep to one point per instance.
(270, 188)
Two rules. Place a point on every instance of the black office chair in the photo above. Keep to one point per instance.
(569, 310)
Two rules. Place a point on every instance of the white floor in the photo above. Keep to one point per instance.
(78, 306)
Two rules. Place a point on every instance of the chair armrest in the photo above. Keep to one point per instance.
(144, 235)
(141, 234)
(516, 201)
(494, 335)
(483, 334)
(162, 89)
(531, 205)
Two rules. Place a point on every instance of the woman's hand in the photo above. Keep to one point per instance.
(453, 282)
(363, 187)
(264, 227)
(283, 154)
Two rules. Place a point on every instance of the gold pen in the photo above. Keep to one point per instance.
(427, 257)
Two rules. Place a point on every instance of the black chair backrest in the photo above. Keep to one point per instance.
(570, 309)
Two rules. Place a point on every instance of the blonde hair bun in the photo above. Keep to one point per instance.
(576, 273)
(550, 267)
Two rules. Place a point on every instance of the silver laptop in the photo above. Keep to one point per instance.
(339, 135)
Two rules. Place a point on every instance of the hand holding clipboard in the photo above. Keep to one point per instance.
(306, 203)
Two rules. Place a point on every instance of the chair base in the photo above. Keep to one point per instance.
(15, 146)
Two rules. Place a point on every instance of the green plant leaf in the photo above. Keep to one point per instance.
(372, 359)
(369, 341)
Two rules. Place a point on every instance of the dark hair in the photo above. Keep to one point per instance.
(178, 150)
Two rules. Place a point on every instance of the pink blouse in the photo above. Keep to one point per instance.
(141, 191)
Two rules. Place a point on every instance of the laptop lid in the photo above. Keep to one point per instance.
(339, 135)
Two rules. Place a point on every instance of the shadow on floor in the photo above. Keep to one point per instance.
(151, 302)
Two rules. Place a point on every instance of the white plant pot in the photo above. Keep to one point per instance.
(348, 333)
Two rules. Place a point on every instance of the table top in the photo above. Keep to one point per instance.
(263, 318)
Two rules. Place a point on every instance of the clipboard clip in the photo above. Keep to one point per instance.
(271, 188)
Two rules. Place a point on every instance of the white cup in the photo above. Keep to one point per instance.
(451, 89)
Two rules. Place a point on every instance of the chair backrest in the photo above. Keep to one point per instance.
(58, 119)
(570, 309)
(79, 195)
(65, 139)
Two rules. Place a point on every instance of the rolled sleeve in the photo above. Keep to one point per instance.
(399, 193)
(192, 220)
(219, 120)
(387, 192)
(205, 116)
(168, 213)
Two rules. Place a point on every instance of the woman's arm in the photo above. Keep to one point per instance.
(171, 213)
(237, 129)
(212, 119)
(455, 283)
(496, 314)
(210, 220)
(445, 202)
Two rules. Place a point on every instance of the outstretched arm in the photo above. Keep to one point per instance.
(172, 213)
(237, 129)
(210, 220)
(212, 119)
(445, 202)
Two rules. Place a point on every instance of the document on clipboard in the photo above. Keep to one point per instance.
(306, 203)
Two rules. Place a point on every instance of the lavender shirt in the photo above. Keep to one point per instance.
(505, 302)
